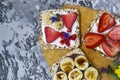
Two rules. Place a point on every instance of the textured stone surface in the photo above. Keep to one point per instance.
(20, 55)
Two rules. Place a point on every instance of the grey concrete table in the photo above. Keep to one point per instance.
(20, 55)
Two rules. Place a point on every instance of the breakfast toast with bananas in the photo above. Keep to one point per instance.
(59, 29)
(104, 35)
(74, 66)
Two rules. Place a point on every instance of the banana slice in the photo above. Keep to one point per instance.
(60, 76)
(75, 74)
(81, 62)
(58, 25)
(47, 18)
(91, 73)
(67, 64)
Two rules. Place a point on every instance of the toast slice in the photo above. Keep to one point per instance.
(74, 66)
(59, 29)
(108, 47)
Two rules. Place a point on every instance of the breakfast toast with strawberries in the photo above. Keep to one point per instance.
(104, 35)
(59, 29)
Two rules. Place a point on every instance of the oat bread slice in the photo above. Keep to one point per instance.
(93, 28)
(59, 29)
(74, 66)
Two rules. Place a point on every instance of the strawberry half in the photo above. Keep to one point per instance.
(92, 40)
(68, 20)
(106, 21)
(114, 33)
(51, 34)
(111, 48)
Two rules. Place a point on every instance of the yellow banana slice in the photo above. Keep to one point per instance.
(58, 24)
(75, 74)
(81, 62)
(47, 18)
(60, 76)
(67, 64)
(91, 74)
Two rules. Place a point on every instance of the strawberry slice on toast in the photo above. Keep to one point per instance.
(110, 47)
(51, 34)
(106, 21)
(114, 33)
(68, 20)
(92, 40)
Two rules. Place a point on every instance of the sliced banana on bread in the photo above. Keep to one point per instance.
(67, 64)
(75, 74)
(81, 62)
(75, 66)
(60, 76)
(91, 73)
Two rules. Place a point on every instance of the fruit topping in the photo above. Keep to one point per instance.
(114, 33)
(73, 37)
(81, 62)
(47, 18)
(106, 21)
(92, 40)
(91, 74)
(66, 38)
(60, 76)
(75, 74)
(68, 20)
(67, 64)
(51, 34)
(110, 47)
(58, 25)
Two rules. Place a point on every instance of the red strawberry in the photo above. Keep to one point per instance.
(114, 33)
(51, 34)
(111, 48)
(106, 21)
(67, 42)
(66, 38)
(73, 37)
(62, 42)
(68, 20)
(92, 40)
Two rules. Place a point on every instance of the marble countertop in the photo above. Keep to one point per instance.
(20, 54)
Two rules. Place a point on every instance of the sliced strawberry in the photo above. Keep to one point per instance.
(92, 40)
(111, 48)
(106, 21)
(73, 37)
(114, 33)
(67, 42)
(62, 42)
(68, 20)
(65, 38)
(51, 34)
